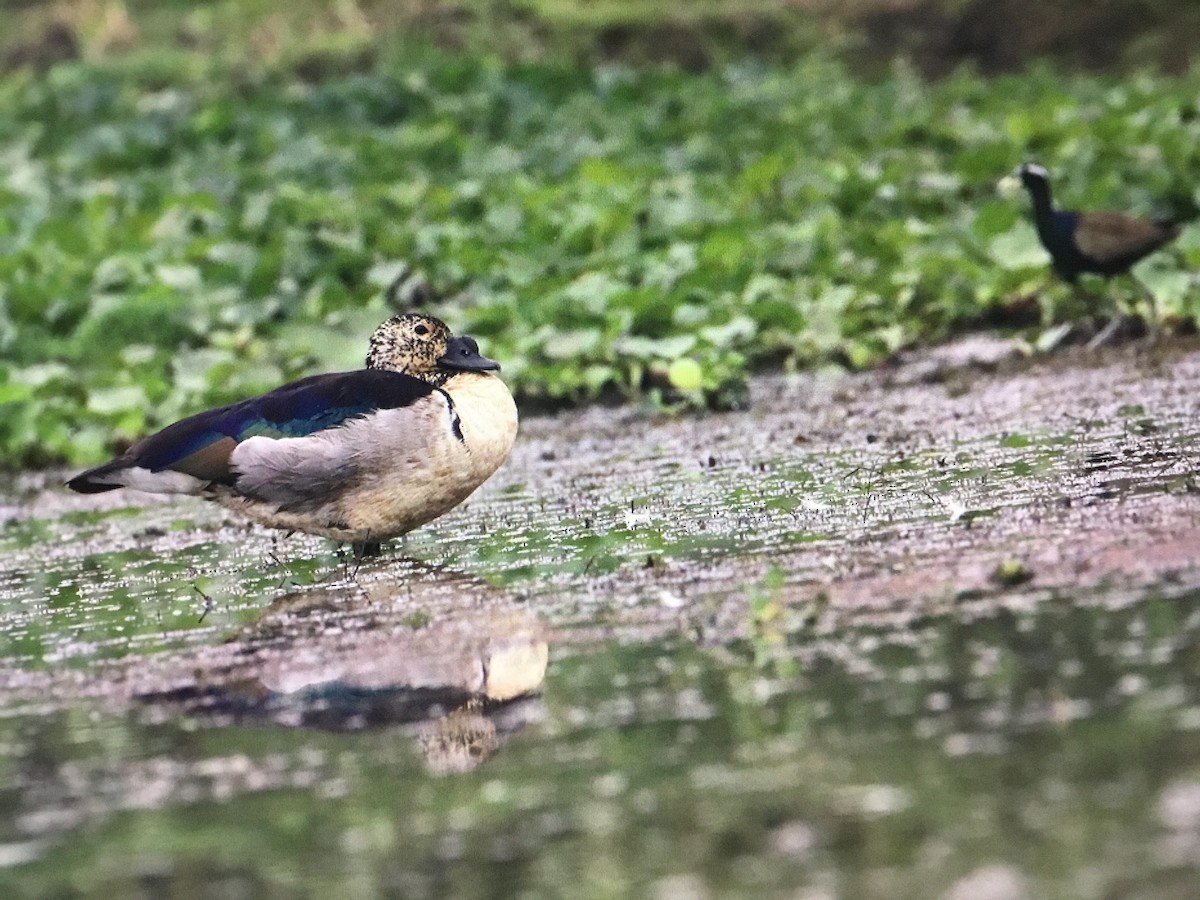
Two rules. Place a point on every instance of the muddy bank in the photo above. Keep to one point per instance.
(970, 477)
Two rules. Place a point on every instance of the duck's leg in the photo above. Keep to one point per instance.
(364, 550)
(276, 541)
(367, 550)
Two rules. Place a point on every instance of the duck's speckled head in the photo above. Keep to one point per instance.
(423, 347)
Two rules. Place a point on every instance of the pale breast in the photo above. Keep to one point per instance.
(488, 418)
(412, 481)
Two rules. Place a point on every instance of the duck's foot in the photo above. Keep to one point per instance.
(209, 603)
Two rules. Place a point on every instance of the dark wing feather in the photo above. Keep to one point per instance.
(200, 445)
(1117, 240)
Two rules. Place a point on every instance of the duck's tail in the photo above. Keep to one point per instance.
(99, 479)
(125, 472)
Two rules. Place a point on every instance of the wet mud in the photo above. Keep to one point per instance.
(885, 634)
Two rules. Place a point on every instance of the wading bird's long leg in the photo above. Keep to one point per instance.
(1152, 322)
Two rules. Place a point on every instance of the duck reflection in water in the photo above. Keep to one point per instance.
(443, 656)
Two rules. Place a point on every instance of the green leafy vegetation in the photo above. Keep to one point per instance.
(177, 231)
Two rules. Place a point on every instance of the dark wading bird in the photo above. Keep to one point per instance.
(358, 457)
(1098, 243)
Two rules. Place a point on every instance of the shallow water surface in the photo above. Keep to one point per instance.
(920, 633)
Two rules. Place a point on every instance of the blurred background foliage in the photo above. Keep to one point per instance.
(993, 35)
(621, 198)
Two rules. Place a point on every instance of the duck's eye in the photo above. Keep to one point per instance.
(422, 330)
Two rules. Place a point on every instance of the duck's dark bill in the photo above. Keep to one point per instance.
(463, 353)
